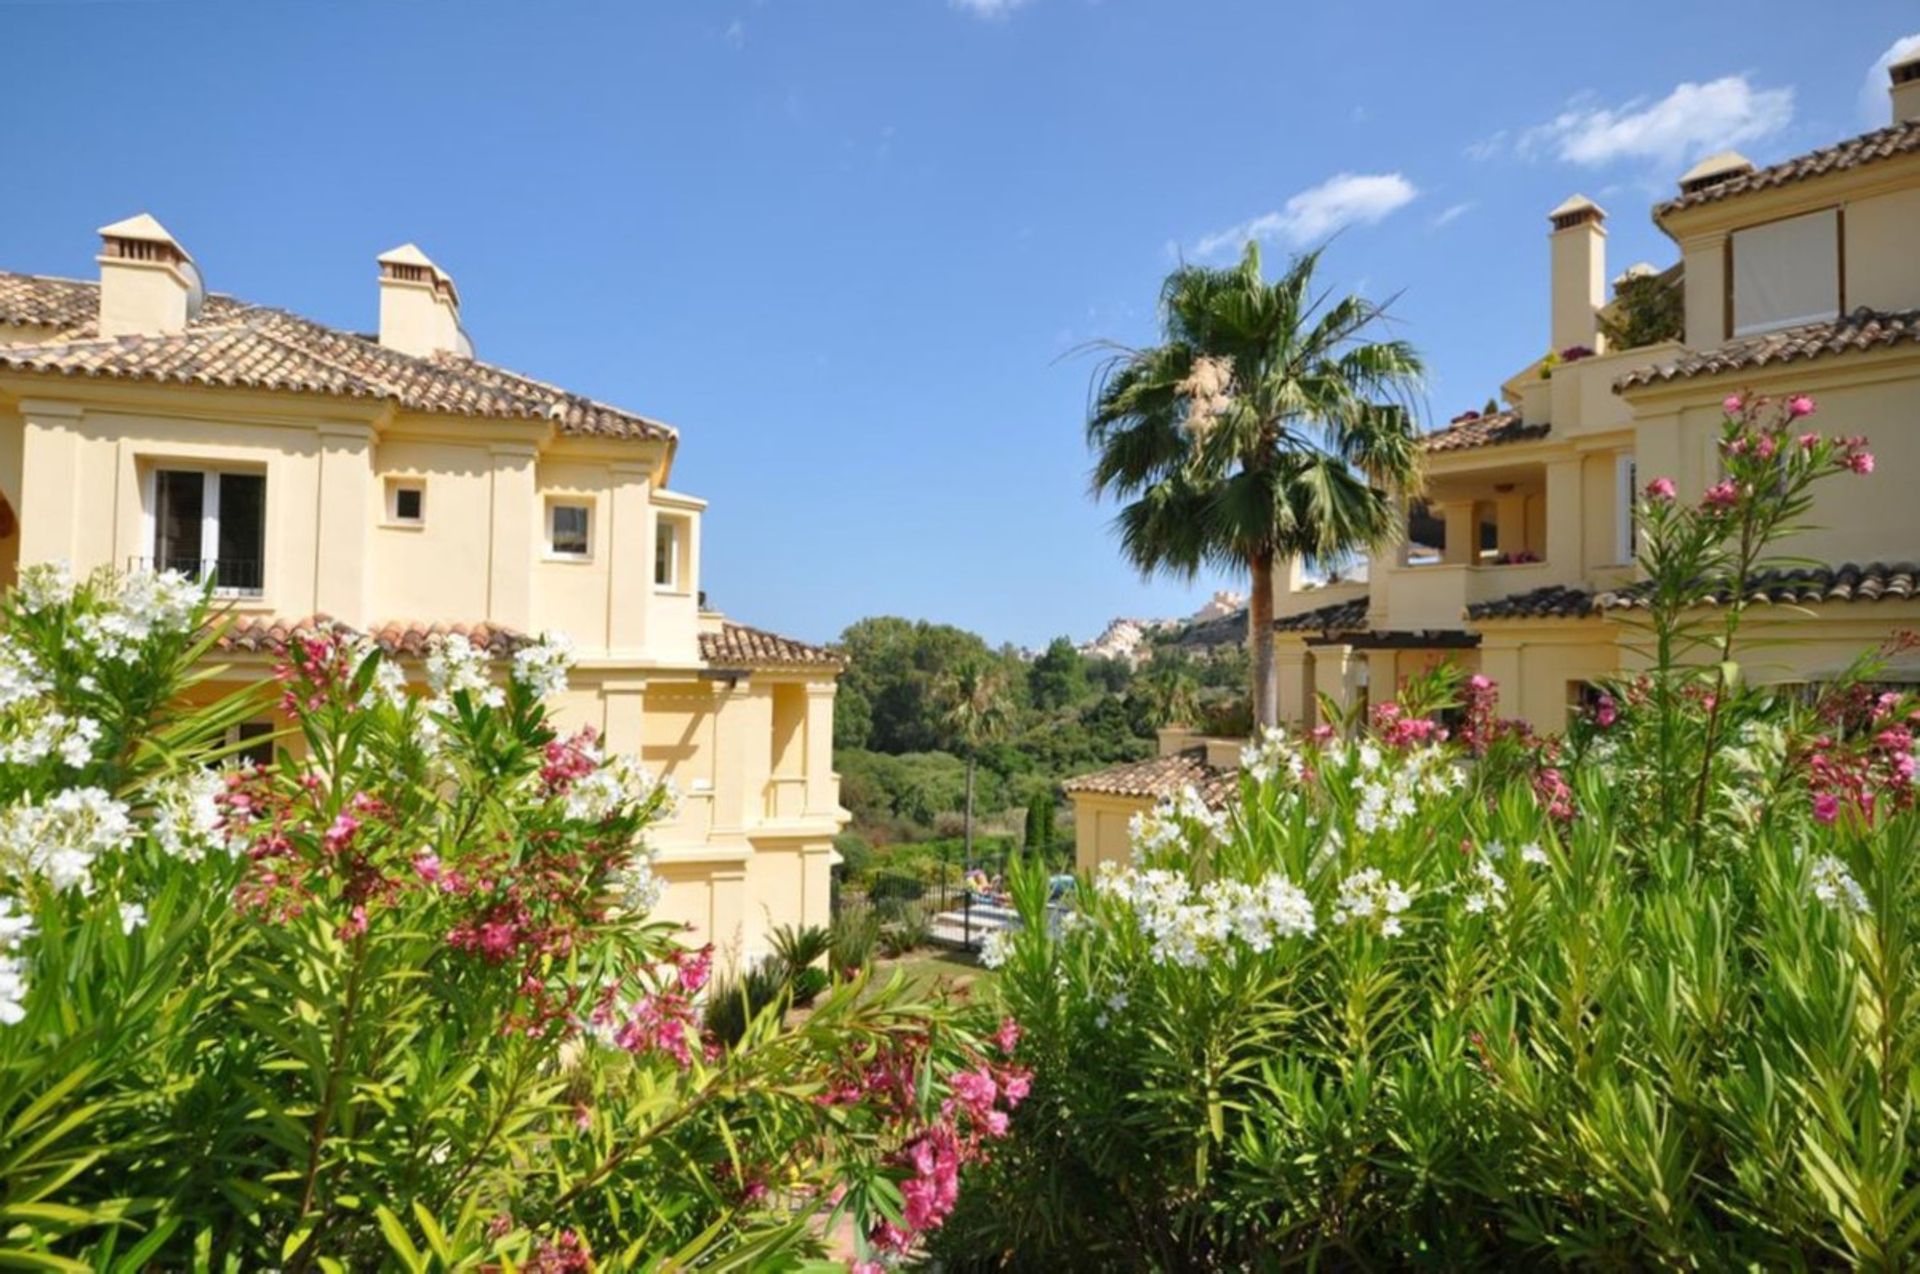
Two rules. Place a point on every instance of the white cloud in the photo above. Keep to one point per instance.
(1687, 123)
(1488, 147)
(1873, 90)
(988, 8)
(1347, 199)
(736, 34)
(1452, 213)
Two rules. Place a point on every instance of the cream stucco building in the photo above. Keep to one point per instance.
(1800, 277)
(395, 484)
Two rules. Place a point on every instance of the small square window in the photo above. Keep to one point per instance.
(406, 501)
(567, 529)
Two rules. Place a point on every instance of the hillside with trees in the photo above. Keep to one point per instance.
(902, 744)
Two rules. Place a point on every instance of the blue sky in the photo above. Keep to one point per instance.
(850, 249)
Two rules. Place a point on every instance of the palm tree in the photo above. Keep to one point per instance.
(1268, 424)
(1170, 691)
(975, 711)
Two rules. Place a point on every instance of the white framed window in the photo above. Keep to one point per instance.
(1786, 272)
(570, 529)
(209, 524)
(666, 553)
(406, 501)
(1626, 509)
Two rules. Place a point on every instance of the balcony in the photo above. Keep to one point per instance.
(230, 577)
(1436, 596)
(786, 799)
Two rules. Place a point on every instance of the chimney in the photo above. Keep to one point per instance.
(1905, 88)
(1579, 273)
(148, 283)
(1722, 166)
(419, 306)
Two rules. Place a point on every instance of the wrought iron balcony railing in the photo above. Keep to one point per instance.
(231, 577)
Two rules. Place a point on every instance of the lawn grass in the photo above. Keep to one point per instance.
(931, 969)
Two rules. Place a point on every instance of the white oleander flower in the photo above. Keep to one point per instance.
(1533, 855)
(1168, 824)
(455, 664)
(60, 839)
(132, 916)
(44, 586)
(995, 946)
(1835, 886)
(619, 780)
(542, 667)
(13, 989)
(187, 816)
(1489, 889)
(22, 680)
(16, 926)
(1369, 896)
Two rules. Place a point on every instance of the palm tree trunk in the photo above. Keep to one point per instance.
(1266, 690)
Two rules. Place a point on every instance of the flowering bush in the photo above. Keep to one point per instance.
(1453, 1000)
(395, 998)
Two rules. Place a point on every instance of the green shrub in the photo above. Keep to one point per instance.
(855, 932)
(908, 931)
(1642, 998)
(394, 1001)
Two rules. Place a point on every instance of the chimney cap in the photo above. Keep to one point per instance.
(1714, 169)
(1574, 210)
(410, 257)
(142, 228)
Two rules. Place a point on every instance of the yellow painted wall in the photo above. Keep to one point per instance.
(753, 842)
(1100, 828)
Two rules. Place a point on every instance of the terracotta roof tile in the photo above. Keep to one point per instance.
(1555, 601)
(1339, 617)
(1162, 776)
(1868, 148)
(267, 635)
(1799, 586)
(1861, 330)
(738, 646)
(1483, 431)
(236, 345)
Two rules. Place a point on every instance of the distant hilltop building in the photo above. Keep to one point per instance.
(394, 485)
(1130, 640)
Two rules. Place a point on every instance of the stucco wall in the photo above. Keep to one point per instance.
(1100, 828)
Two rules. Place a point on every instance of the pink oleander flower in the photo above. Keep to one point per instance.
(426, 865)
(1733, 403)
(1826, 807)
(1722, 494)
(1007, 1038)
(1861, 462)
(1764, 446)
(1808, 441)
(1799, 405)
(1661, 489)
(1605, 712)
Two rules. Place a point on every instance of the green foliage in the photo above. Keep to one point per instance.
(855, 933)
(1058, 678)
(1503, 1001)
(395, 1000)
(1267, 424)
(909, 929)
(1651, 308)
(1038, 841)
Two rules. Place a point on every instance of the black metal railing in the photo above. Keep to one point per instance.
(234, 577)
